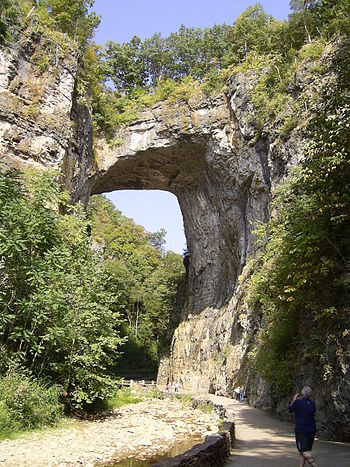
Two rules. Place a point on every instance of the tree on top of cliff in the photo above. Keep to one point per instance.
(8, 14)
(72, 17)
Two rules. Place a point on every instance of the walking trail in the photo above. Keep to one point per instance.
(264, 441)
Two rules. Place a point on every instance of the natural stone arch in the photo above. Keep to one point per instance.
(198, 155)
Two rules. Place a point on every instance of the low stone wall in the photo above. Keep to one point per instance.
(212, 453)
(217, 408)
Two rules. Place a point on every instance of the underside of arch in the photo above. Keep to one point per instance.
(219, 190)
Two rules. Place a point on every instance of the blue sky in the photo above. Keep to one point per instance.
(121, 20)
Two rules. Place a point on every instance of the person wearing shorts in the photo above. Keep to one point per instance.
(305, 426)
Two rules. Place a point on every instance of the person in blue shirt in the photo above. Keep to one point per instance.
(305, 426)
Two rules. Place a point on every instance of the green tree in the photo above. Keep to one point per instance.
(9, 13)
(333, 16)
(250, 31)
(147, 277)
(157, 239)
(60, 316)
(72, 17)
(125, 65)
(158, 58)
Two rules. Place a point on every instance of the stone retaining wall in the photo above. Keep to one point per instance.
(213, 452)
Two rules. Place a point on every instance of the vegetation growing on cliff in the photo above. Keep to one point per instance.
(302, 279)
(70, 17)
(191, 62)
(8, 15)
(67, 310)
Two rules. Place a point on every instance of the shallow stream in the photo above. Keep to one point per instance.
(179, 448)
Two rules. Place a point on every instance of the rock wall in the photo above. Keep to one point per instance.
(222, 169)
(41, 122)
(213, 452)
(198, 153)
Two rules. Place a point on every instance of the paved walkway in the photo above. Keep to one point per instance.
(264, 441)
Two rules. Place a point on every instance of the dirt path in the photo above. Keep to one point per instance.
(264, 441)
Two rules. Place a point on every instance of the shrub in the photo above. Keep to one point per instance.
(26, 403)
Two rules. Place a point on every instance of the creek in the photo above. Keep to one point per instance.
(177, 449)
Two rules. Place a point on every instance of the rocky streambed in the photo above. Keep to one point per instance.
(138, 431)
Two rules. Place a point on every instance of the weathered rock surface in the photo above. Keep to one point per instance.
(198, 154)
(211, 155)
(42, 123)
(140, 431)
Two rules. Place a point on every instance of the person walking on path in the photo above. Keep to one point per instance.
(241, 394)
(238, 392)
(305, 427)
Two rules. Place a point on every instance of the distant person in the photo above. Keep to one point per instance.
(176, 387)
(241, 394)
(305, 426)
(186, 260)
(169, 387)
(237, 393)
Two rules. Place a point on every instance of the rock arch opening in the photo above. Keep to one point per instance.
(194, 154)
(154, 210)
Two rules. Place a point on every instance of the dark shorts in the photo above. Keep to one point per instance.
(304, 441)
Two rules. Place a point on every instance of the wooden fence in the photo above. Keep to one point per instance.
(132, 382)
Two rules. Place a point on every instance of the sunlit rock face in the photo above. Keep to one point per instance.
(41, 122)
(210, 154)
(200, 155)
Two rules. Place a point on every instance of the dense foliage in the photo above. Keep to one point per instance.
(71, 17)
(8, 15)
(148, 278)
(301, 281)
(60, 312)
(188, 52)
(69, 299)
(26, 403)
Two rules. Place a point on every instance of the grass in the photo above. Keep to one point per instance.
(62, 423)
(188, 401)
(122, 397)
(206, 407)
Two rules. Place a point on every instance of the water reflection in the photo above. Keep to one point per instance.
(179, 448)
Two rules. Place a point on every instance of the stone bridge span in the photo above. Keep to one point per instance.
(198, 153)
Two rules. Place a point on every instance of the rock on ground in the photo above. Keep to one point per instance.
(140, 430)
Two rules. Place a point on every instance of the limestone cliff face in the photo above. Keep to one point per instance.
(41, 122)
(210, 154)
(221, 183)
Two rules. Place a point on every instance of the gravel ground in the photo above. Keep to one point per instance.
(139, 430)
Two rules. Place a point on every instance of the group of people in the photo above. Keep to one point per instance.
(172, 385)
(240, 394)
